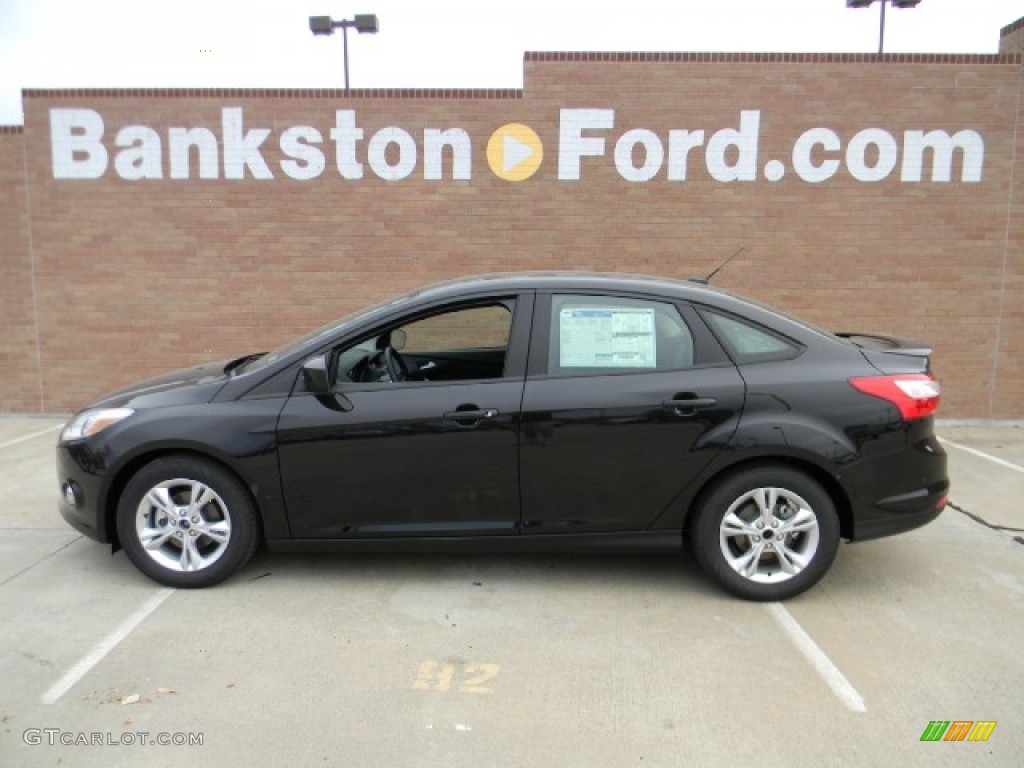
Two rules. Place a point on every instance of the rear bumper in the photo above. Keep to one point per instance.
(892, 522)
(897, 492)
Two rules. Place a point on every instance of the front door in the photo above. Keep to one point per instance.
(416, 438)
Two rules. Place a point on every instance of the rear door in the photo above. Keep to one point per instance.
(627, 398)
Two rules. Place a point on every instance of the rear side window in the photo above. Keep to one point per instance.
(749, 343)
(594, 334)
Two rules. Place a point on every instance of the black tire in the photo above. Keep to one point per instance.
(747, 556)
(211, 541)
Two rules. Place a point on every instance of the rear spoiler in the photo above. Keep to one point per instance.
(895, 345)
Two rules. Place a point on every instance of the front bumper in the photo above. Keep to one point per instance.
(80, 476)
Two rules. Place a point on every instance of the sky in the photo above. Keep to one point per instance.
(432, 44)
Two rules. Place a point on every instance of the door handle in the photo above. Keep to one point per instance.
(470, 415)
(687, 405)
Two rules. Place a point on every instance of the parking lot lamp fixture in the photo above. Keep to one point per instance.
(881, 21)
(364, 23)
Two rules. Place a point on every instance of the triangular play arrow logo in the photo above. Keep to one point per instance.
(514, 152)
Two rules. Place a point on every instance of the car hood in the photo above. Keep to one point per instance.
(188, 385)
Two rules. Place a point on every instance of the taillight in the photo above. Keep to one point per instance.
(915, 394)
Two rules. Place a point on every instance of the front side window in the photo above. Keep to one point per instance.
(453, 344)
(484, 327)
(611, 334)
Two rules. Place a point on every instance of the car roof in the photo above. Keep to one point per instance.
(566, 280)
(653, 285)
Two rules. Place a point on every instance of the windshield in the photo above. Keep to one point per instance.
(323, 332)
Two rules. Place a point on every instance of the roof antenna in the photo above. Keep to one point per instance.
(706, 280)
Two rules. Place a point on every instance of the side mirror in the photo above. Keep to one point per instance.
(316, 375)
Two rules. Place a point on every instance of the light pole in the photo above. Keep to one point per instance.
(881, 22)
(363, 22)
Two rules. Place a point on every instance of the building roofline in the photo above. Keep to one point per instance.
(500, 94)
(722, 57)
(1012, 27)
(282, 93)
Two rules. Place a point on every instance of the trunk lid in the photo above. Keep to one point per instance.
(892, 354)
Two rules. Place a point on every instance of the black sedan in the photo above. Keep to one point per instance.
(523, 412)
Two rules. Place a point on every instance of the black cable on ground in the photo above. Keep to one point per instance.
(986, 523)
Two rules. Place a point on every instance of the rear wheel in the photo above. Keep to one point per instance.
(766, 533)
(186, 522)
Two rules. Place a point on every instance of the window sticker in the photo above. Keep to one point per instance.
(606, 337)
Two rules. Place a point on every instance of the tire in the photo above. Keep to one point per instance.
(766, 533)
(186, 522)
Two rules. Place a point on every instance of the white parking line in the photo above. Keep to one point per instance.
(23, 438)
(102, 648)
(822, 664)
(982, 454)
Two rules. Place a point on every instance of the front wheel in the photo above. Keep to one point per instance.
(766, 533)
(186, 522)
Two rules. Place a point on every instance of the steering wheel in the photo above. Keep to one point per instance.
(398, 369)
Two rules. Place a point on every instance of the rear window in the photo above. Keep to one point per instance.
(748, 342)
(780, 313)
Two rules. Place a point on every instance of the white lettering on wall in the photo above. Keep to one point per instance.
(182, 140)
(573, 145)
(75, 144)
(377, 153)
(886, 152)
(242, 150)
(679, 145)
(942, 146)
(306, 161)
(434, 143)
(346, 135)
(82, 148)
(653, 155)
(141, 157)
(745, 141)
(803, 152)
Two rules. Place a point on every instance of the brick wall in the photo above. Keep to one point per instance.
(1011, 37)
(19, 385)
(135, 277)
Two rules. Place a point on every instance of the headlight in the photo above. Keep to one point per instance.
(89, 423)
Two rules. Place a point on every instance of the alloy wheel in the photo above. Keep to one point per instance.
(769, 535)
(183, 525)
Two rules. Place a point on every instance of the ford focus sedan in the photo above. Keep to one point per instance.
(523, 412)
